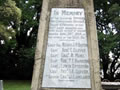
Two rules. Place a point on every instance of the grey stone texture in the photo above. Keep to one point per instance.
(93, 50)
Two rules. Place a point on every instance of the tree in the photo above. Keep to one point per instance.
(18, 45)
(29, 22)
(108, 19)
(10, 16)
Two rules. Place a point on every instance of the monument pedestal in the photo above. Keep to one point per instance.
(67, 56)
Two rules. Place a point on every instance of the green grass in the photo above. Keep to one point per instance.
(16, 85)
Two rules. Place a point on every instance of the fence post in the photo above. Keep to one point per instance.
(1, 84)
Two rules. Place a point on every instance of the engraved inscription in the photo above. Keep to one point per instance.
(66, 62)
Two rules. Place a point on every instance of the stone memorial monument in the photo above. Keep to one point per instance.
(67, 56)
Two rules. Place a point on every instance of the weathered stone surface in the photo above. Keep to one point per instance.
(66, 62)
(42, 40)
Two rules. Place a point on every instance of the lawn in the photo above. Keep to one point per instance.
(16, 85)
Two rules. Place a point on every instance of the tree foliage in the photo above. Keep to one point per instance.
(108, 19)
(18, 32)
(10, 16)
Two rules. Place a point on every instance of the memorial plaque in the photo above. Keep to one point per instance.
(66, 61)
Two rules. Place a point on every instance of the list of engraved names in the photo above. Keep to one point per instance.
(66, 61)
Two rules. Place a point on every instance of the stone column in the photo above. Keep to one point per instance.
(87, 39)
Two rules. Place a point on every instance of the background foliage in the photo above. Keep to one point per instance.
(108, 26)
(18, 31)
